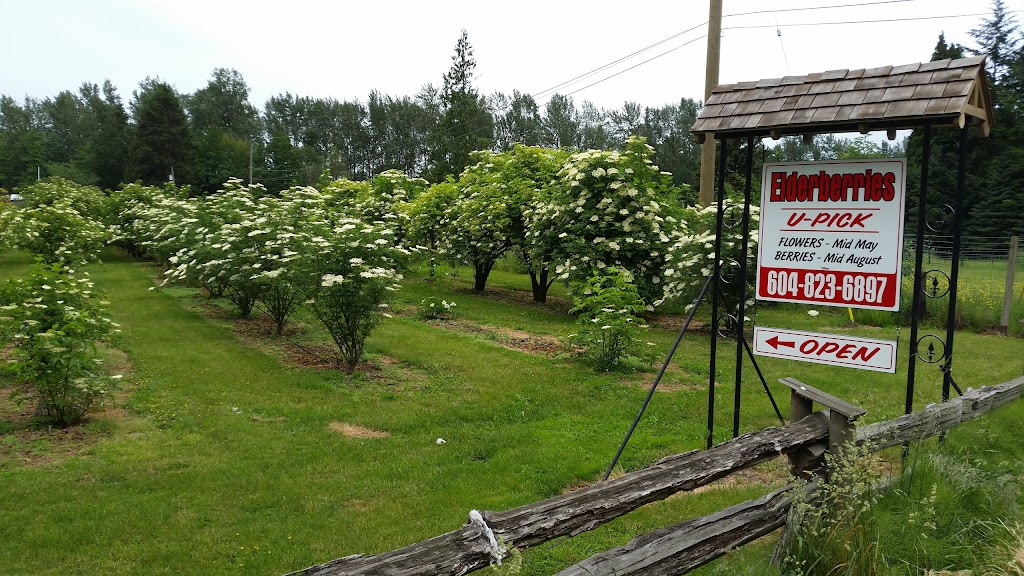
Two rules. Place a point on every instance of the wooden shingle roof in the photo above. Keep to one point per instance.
(941, 93)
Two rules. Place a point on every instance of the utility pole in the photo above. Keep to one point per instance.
(707, 150)
(250, 162)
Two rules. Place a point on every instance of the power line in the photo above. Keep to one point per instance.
(604, 67)
(451, 132)
(910, 19)
(687, 43)
(614, 62)
(854, 5)
(777, 27)
(544, 51)
(778, 31)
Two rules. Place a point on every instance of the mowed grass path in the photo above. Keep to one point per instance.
(226, 463)
(231, 463)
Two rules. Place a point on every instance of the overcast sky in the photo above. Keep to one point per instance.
(346, 49)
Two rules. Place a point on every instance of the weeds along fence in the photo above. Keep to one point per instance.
(679, 548)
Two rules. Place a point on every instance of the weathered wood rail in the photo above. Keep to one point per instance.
(682, 547)
(675, 549)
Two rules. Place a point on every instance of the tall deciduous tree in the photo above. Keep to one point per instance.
(67, 123)
(224, 104)
(21, 143)
(518, 123)
(667, 130)
(561, 123)
(594, 127)
(107, 154)
(626, 122)
(225, 126)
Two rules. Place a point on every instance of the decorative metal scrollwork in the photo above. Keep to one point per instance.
(931, 354)
(933, 287)
(942, 224)
(728, 327)
(734, 217)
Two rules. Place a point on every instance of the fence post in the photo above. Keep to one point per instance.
(1011, 271)
(841, 430)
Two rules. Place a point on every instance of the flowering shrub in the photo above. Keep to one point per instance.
(10, 220)
(89, 201)
(387, 200)
(275, 253)
(225, 257)
(691, 258)
(609, 209)
(52, 321)
(608, 304)
(58, 232)
(427, 217)
(61, 221)
(530, 173)
(280, 284)
(124, 211)
(351, 269)
(478, 225)
(489, 216)
(341, 195)
(156, 223)
(433, 308)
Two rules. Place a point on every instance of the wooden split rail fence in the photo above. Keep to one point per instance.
(685, 546)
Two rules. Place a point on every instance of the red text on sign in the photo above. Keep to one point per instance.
(867, 186)
(829, 219)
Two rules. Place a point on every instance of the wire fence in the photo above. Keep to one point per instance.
(972, 248)
(985, 300)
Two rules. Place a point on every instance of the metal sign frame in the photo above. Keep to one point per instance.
(738, 322)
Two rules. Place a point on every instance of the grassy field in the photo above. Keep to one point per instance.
(981, 295)
(230, 451)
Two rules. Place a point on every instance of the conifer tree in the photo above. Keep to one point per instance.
(466, 123)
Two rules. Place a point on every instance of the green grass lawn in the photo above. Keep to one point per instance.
(224, 459)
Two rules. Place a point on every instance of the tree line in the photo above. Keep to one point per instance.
(204, 138)
(92, 137)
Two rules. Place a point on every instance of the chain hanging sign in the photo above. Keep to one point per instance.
(831, 233)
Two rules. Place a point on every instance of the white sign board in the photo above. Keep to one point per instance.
(831, 233)
(851, 352)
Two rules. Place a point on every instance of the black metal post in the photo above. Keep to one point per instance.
(716, 279)
(657, 379)
(742, 281)
(915, 320)
(954, 273)
(764, 384)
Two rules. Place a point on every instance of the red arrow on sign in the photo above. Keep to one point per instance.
(775, 343)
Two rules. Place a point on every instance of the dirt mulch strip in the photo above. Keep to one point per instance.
(520, 297)
(674, 323)
(26, 442)
(508, 338)
(355, 431)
